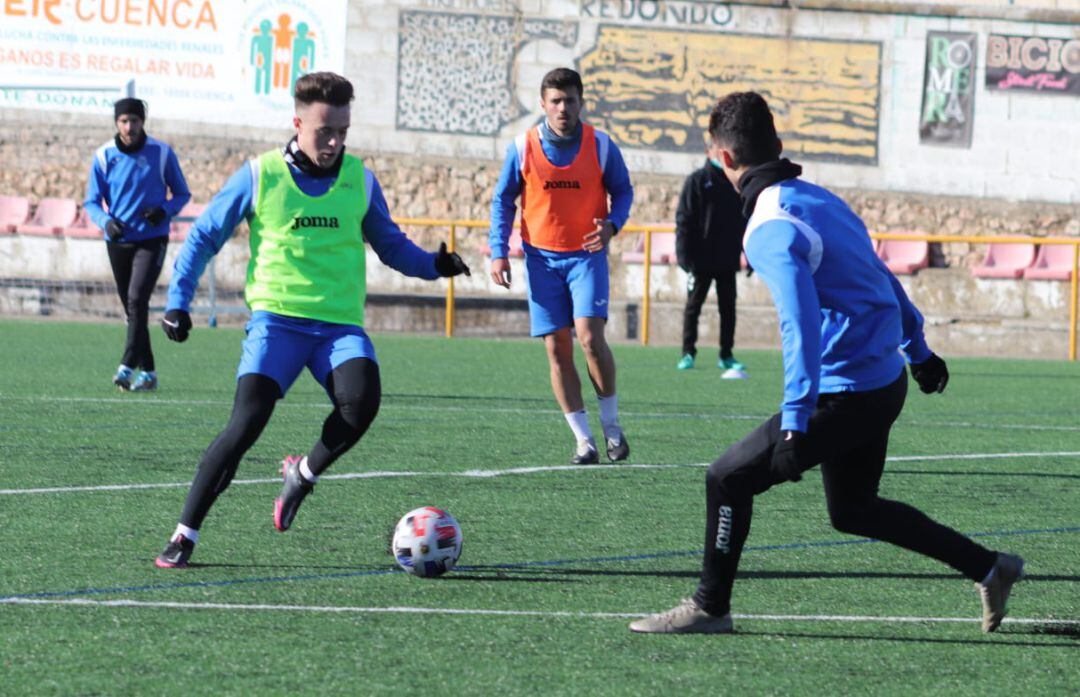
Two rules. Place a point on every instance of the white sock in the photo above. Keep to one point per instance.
(191, 533)
(579, 424)
(609, 416)
(306, 472)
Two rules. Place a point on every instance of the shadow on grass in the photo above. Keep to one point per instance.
(983, 473)
(291, 567)
(1002, 638)
(747, 574)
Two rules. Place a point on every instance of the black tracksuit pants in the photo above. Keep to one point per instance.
(848, 435)
(697, 290)
(136, 267)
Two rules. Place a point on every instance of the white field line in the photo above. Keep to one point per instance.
(487, 474)
(482, 409)
(347, 609)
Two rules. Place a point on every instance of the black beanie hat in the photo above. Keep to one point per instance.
(129, 105)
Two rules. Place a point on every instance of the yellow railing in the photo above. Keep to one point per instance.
(650, 230)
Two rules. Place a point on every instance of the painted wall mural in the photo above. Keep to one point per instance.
(650, 87)
(653, 89)
(455, 71)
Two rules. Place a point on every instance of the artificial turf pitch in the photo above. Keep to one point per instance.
(556, 560)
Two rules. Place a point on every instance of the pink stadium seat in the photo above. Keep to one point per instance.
(178, 228)
(662, 252)
(1054, 262)
(1005, 261)
(516, 250)
(14, 211)
(82, 227)
(51, 217)
(904, 256)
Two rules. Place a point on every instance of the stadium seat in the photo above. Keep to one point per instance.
(178, 228)
(904, 256)
(1005, 261)
(14, 211)
(1053, 262)
(662, 252)
(82, 227)
(516, 250)
(51, 217)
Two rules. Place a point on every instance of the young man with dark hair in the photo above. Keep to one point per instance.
(310, 207)
(565, 171)
(844, 319)
(133, 175)
(709, 228)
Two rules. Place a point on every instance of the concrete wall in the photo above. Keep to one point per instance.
(444, 85)
(458, 79)
(71, 278)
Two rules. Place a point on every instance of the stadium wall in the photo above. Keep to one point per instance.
(444, 85)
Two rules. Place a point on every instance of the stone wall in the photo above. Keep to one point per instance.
(54, 161)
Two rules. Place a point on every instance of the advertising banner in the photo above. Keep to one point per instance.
(213, 61)
(948, 105)
(1033, 63)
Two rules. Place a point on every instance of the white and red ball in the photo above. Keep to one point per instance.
(427, 542)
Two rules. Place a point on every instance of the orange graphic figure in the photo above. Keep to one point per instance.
(283, 40)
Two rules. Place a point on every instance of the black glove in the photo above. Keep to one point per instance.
(448, 264)
(154, 216)
(787, 455)
(176, 324)
(932, 374)
(114, 229)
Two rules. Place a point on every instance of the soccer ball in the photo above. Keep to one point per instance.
(427, 542)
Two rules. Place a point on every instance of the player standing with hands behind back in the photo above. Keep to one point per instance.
(844, 319)
(133, 174)
(311, 207)
(565, 171)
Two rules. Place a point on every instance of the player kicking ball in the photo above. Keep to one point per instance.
(843, 321)
(310, 208)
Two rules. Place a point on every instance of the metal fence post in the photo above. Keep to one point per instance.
(1073, 300)
(645, 301)
(450, 286)
(211, 287)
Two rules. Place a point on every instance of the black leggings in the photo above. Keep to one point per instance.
(356, 391)
(136, 267)
(848, 435)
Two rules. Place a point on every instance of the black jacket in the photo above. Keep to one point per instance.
(709, 224)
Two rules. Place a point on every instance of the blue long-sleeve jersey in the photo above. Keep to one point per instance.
(843, 315)
(504, 204)
(236, 202)
(130, 184)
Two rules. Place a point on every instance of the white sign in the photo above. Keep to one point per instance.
(216, 61)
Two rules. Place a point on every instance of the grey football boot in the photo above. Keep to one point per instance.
(585, 453)
(1008, 569)
(684, 618)
(293, 492)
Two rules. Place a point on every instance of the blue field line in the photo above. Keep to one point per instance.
(494, 567)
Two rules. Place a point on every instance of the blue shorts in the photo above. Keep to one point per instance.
(563, 287)
(279, 347)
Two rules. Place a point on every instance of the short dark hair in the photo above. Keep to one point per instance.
(561, 79)
(328, 88)
(742, 123)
